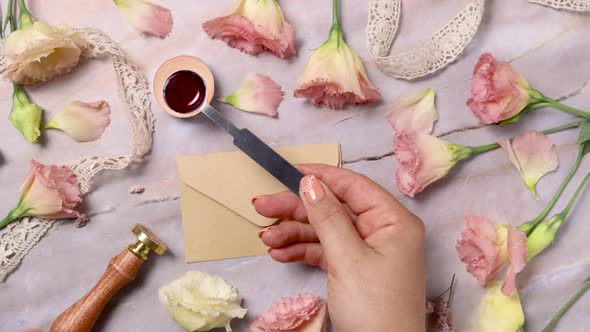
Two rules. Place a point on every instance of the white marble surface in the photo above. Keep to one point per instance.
(551, 48)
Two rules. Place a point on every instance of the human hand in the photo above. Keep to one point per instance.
(371, 246)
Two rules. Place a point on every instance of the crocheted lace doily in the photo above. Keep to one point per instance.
(17, 239)
(429, 56)
(575, 5)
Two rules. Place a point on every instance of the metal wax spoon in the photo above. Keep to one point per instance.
(195, 101)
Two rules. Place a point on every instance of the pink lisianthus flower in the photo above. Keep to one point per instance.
(498, 91)
(303, 313)
(147, 17)
(84, 122)
(409, 113)
(424, 159)
(335, 76)
(533, 154)
(486, 248)
(257, 94)
(48, 192)
(255, 26)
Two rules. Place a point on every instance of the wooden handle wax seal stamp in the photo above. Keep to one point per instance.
(123, 268)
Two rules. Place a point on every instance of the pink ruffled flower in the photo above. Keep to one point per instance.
(257, 94)
(410, 113)
(255, 26)
(486, 248)
(48, 192)
(424, 159)
(147, 17)
(335, 76)
(82, 121)
(533, 154)
(498, 91)
(304, 313)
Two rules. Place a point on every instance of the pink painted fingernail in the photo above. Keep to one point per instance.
(264, 230)
(253, 201)
(312, 189)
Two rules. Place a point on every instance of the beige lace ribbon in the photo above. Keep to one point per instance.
(574, 5)
(17, 239)
(429, 56)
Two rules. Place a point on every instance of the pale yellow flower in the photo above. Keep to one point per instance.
(37, 52)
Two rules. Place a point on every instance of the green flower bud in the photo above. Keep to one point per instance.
(543, 235)
(25, 115)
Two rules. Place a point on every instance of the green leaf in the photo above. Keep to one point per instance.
(584, 135)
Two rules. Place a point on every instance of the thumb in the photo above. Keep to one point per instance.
(330, 220)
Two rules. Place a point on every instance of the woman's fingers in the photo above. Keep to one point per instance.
(359, 192)
(308, 253)
(287, 233)
(330, 221)
(284, 205)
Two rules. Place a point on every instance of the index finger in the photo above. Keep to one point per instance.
(359, 192)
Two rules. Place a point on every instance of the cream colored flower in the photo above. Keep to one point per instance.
(499, 313)
(83, 122)
(201, 302)
(37, 52)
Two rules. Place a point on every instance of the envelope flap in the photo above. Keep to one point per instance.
(232, 178)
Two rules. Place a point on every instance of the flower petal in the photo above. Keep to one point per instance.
(335, 76)
(413, 112)
(304, 312)
(147, 17)
(257, 94)
(253, 27)
(517, 253)
(533, 154)
(82, 121)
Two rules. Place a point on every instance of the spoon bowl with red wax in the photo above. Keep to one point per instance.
(184, 87)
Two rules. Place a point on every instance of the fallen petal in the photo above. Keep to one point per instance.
(257, 94)
(147, 17)
(533, 154)
(414, 112)
(82, 121)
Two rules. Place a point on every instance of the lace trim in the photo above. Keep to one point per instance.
(428, 57)
(17, 239)
(575, 5)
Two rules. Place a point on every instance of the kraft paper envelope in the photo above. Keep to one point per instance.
(218, 218)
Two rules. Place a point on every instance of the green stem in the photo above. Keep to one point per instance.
(585, 286)
(531, 224)
(566, 108)
(336, 30)
(25, 18)
(9, 17)
(475, 150)
(18, 212)
(572, 201)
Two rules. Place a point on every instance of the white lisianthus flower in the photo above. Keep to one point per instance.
(37, 52)
(201, 302)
